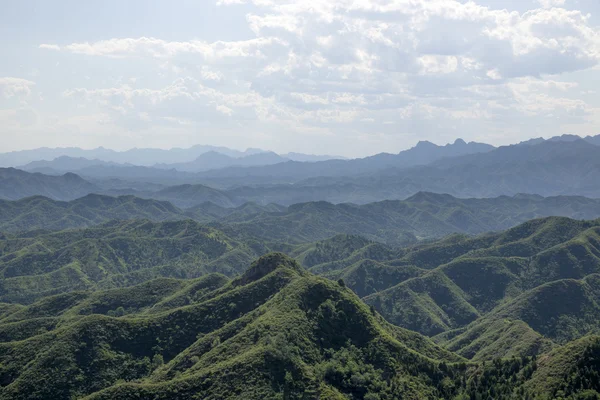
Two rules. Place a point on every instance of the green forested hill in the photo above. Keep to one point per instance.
(431, 288)
(141, 309)
(115, 254)
(274, 332)
(274, 329)
(41, 212)
(423, 216)
(521, 291)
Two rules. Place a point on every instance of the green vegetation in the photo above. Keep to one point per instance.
(162, 310)
(116, 254)
(541, 272)
(396, 223)
(40, 212)
(279, 328)
(516, 293)
(274, 332)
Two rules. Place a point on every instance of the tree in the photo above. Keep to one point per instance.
(157, 361)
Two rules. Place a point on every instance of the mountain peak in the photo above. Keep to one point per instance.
(565, 138)
(460, 142)
(425, 143)
(73, 177)
(267, 264)
(424, 195)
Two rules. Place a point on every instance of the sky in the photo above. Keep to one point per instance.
(344, 77)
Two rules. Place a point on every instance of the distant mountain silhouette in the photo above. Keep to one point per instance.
(141, 157)
(565, 165)
(310, 157)
(423, 153)
(550, 168)
(144, 157)
(65, 164)
(593, 139)
(214, 160)
(16, 184)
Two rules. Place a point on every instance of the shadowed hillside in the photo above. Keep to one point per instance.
(16, 184)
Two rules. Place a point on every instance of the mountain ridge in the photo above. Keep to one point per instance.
(280, 333)
(423, 215)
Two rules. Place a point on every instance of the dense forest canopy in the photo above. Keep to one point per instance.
(175, 309)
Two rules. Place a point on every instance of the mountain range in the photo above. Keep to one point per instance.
(422, 154)
(219, 163)
(141, 157)
(422, 216)
(550, 168)
(206, 161)
(292, 166)
(462, 272)
(16, 184)
(534, 286)
(274, 331)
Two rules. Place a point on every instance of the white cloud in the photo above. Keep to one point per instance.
(50, 47)
(551, 3)
(153, 47)
(435, 64)
(429, 67)
(13, 87)
(224, 110)
(209, 74)
(494, 74)
(309, 98)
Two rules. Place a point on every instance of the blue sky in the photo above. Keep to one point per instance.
(351, 77)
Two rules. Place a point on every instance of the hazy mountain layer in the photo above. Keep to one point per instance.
(425, 215)
(547, 168)
(74, 159)
(143, 157)
(422, 154)
(16, 184)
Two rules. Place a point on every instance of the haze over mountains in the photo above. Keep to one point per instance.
(204, 158)
(560, 166)
(423, 153)
(141, 157)
(422, 216)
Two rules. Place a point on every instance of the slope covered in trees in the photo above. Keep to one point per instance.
(276, 331)
(523, 291)
(43, 213)
(116, 254)
(425, 215)
(167, 308)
